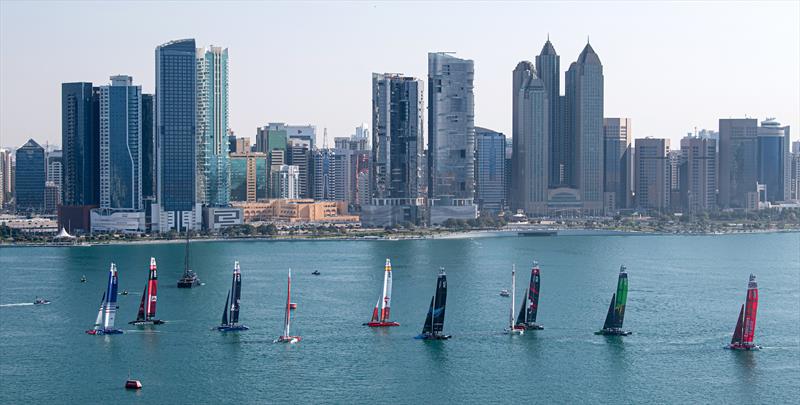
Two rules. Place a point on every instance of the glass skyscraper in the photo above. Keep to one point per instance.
(773, 160)
(738, 161)
(121, 145)
(490, 172)
(80, 141)
(548, 69)
(618, 165)
(584, 95)
(148, 146)
(451, 129)
(212, 126)
(531, 165)
(248, 176)
(397, 122)
(176, 135)
(29, 177)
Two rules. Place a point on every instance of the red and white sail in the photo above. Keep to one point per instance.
(750, 309)
(382, 307)
(152, 288)
(288, 318)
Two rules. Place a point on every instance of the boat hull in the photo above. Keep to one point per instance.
(381, 324)
(430, 336)
(98, 332)
(613, 332)
(288, 339)
(147, 322)
(187, 283)
(530, 326)
(232, 328)
(133, 385)
(743, 347)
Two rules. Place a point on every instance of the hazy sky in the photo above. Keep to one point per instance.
(670, 66)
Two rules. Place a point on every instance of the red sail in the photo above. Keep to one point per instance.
(152, 288)
(750, 308)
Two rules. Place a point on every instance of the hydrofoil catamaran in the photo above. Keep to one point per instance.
(147, 308)
(380, 315)
(745, 329)
(616, 310)
(286, 337)
(526, 319)
(232, 303)
(434, 322)
(512, 327)
(104, 324)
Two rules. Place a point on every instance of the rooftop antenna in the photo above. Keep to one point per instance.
(325, 138)
(587, 40)
(548, 37)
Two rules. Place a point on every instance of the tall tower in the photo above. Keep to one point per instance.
(397, 120)
(522, 71)
(618, 162)
(176, 137)
(80, 142)
(212, 126)
(548, 69)
(451, 129)
(738, 161)
(584, 85)
(652, 174)
(29, 177)
(530, 174)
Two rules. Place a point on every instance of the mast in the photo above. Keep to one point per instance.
(152, 288)
(111, 298)
(622, 297)
(440, 301)
(236, 293)
(533, 307)
(750, 309)
(513, 296)
(186, 254)
(288, 319)
(386, 298)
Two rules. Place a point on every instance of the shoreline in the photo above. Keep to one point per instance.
(460, 234)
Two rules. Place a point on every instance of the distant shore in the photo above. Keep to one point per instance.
(395, 236)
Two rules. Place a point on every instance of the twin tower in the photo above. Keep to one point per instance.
(557, 163)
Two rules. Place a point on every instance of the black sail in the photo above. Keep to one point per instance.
(523, 311)
(237, 295)
(427, 327)
(440, 300)
(533, 307)
(610, 317)
(225, 310)
(739, 331)
(140, 315)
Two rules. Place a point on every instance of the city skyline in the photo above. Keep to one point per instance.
(704, 70)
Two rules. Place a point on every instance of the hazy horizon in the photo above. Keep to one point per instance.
(670, 67)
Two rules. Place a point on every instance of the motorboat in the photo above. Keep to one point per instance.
(40, 301)
(504, 293)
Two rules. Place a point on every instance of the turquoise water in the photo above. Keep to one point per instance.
(685, 294)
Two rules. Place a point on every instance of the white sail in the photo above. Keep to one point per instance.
(99, 321)
(387, 291)
(513, 296)
(288, 303)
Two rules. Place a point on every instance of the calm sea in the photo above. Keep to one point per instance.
(685, 294)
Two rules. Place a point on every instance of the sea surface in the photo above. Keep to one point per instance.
(685, 294)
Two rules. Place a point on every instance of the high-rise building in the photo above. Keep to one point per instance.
(5, 178)
(80, 142)
(521, 72)
(674, 161)
(52, 197)
(397, 120)
(530, 174)
(29, 177)
(148, 147)
(362, 133)
(774, 167)
(285, 181)
(698, 173)
(176, 137)
(451, 137)
(299, 155)
(738, 161)
(212, 126)
(794, 175)
(652, 174)
(248, 176)
(584, 95)
(54, 172)
(548, 69)
(275, 134)
(618, 162)
(331, 175)
(490, 170)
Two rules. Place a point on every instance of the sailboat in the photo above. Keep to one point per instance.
(147, 308)
(104, 324)
(287, 320)
(746, 324)
(616, 310)
(512, 327)
(230, 323)
(189, 278)
(526, 319)
(434, 322)
(380, 315)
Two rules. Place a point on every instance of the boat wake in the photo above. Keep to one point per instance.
(21, 304)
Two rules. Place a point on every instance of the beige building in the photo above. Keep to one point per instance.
(295, 211)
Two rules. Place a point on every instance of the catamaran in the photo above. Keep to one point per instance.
(189, 278)
(104, 324)
(434, 322)
(287, 320)
(526, 320)
(616, 310)
(147, 308)
(232, 304)
(512, 327)
(746, 324)
(380, 315)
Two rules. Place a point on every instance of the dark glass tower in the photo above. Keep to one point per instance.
(548, 65)
(29, 177)
(176, 120)
(80, 140)
(148, 146)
